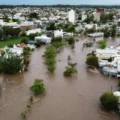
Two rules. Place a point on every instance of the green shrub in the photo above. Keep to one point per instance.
(109, 101)
(50, 52)
(10, 45)
(102, 44)
(12, 64)
(23, 33)
(57, 44)
(92, 60)
(33, 35)
(56, 39)
(69, 71)
(25, 40)
(51, 68)
(118, 34)
(37, 87)
(70, 40)
(49, 55)
(50, 61)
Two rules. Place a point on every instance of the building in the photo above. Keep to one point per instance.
(109, 61)
(100, 10)
(26, 25)
(72, 16)
(58, 33)
(97, 16)
(84, 17)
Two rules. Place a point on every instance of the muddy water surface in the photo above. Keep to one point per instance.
(75, 98)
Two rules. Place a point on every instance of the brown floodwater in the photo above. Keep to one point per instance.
(72, 98)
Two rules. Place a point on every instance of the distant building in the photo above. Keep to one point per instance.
(26, 25)
(100, 10)
(72, 16)
(97, 16)
(84, 17)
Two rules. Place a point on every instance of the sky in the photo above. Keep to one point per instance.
(51, 2)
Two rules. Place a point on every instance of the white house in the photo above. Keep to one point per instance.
(33, 31)
(72, 16)
(58, 33)
(44, 39)
(89, 26)
(84, 17)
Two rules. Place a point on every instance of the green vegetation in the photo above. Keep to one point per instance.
(11, 41)
(50, 55)
(12, 64)
(56, 39)
(88, 31)
(109, 31)
(33, 35)
(26, 57)
(10, 31)
(51, 26)
(118, 34)
(57, 45)
(70, 40)
(24, 115)
(37, 87)
(92, 60)
(106, 17)
(69, 27)
(109, 101)
(70, 69)
(90, 18)
(33, 15)
(102, 44)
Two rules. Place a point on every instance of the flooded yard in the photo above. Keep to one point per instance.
(71, 98)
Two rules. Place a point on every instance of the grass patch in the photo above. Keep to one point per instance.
(11, 41)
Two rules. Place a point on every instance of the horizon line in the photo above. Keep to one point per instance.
(62, 4)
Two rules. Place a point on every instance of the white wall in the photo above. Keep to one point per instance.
(72, 16)
(84, 17)
(97, 16)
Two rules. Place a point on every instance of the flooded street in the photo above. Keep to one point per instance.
(71, 98)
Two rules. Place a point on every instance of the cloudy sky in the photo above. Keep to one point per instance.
(49, 2)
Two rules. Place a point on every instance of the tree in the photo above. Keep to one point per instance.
(33, 15)
(37, 87)
(50, 52)
(9, 31)
(109, 101)
(69, 27)
(69, 71)
(118, 23)
(32, 36)
(113, 31)
(70, 40)
(91, 30)
(106, 32)
(6, 19)
(51, 26)
(49, 55)
(57, 45)
(56, 39)
(102, 44)
(90, 18)
(0, 34)
(16, 20)
(92, 60)
(11, 64)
